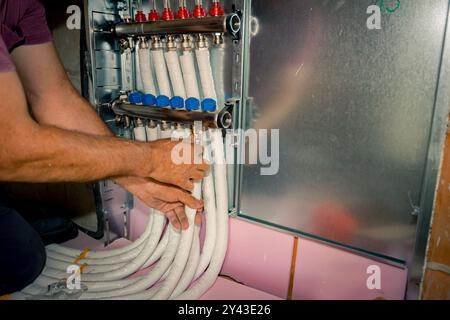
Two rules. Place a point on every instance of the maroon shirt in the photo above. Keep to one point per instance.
(22, 22)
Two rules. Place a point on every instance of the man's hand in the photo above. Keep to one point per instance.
(165, 169)
(169, 200)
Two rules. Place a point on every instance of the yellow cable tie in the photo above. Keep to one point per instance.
(83, 266)
(81, 256)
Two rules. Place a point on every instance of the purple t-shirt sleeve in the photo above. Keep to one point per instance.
(23, 23)
(33, 23)
(5, 61)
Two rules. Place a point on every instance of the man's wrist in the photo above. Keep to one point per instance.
(127, 182)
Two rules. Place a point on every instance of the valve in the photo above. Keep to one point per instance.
(167, 13)
(216, 9)
(183, 12)
(199, 10)
(140, 15)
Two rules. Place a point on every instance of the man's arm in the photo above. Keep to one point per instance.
(52, 97)
(54, 101)
(34, 153)
(37, 153)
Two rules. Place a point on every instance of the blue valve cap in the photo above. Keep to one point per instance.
(162, 101)
(209, 105)
(177, 102)
(192, 103)
(148, 100)
(135, 97)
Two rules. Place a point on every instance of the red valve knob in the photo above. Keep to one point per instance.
(140, 16)
(216, 10)
(153, 15)
(183, 13)
(199, 11)
(167, 14)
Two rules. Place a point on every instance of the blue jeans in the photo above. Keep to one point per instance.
(22, 253)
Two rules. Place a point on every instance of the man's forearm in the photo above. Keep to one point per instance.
(75, 113)
(52, 154)
(66, 109)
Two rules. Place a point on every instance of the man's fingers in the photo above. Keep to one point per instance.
(198, 218)
(189, 200)
(197, 175)
(182, 218)
(187, 185)
(169, 206)
(204, 167)
(173, 219)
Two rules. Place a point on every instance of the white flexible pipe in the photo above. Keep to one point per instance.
(145, 295)
(119, 284)
(205, 71)
(135, 264)
(189, 74)
(218, 58)
(209, 198)
(62, 266)
(210, 276)
(162, 245)
(183, 251)
(191, 265)
(57, 251)
(148, 82)
(161, 73)
(176, 77)
(139, 133)
(166, 133)
(152, 133)
(148, 280)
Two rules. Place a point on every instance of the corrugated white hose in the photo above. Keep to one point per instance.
(161, 73)
(68, 254)
(189, 74)
(145, 295)
(105, 259)
(133, 265)
(62, 267)
(152, 133)
(119, 284)
(218, 58)
(148, 280)
(139, 133)
(211, 274)
(176, 77)
(191, 265)
(205, 71)
(183, 251)
(185, 245)
(162, 245)
(178, 134)
(209, 198)
(145, 69)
